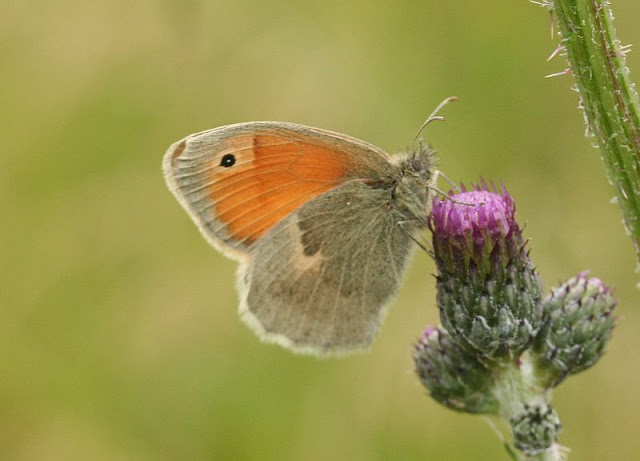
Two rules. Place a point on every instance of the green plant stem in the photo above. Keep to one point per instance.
(607, 98)
(517, 386)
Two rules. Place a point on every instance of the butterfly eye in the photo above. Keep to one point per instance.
(228, 160)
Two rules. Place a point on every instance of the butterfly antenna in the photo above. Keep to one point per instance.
(444, 194)
(450, 181)
(434, 116)
(432, 185)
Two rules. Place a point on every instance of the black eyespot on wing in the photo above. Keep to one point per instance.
(228, 160)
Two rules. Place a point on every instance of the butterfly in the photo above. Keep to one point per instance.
(322, 224)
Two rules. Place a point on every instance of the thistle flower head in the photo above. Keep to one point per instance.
(488, 290)
(501, 347)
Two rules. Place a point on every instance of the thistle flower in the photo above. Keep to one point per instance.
(488, 290)
(501, 348)
(578, 320)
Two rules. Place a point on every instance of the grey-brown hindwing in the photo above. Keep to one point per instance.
(321, 279)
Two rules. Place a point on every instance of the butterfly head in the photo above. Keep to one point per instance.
(414, 188)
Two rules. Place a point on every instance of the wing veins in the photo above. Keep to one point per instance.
(270, 213)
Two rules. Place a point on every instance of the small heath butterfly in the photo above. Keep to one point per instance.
(323, 225)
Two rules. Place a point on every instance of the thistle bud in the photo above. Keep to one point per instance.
(488, 292)
(535, 428)
(578, 320)
(453, 376)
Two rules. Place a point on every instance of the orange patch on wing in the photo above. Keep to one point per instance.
(272, 177)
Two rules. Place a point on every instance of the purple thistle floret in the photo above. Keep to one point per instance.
(473, 225)
(488, 291)
(476, 211)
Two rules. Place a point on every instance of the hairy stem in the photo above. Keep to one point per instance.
(607, 98)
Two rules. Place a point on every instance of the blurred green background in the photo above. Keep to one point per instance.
(119, 338)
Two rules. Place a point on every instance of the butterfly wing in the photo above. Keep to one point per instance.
(238, 181)
(320, 281)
